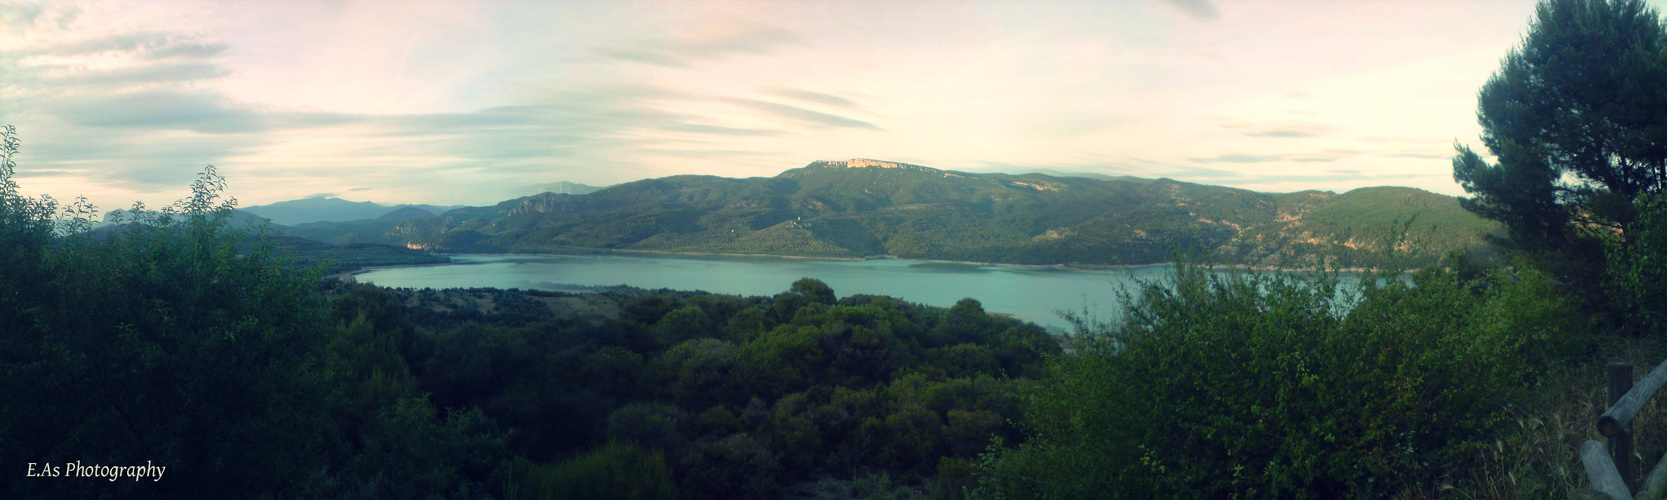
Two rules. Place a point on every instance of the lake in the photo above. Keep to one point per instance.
(1032, 294)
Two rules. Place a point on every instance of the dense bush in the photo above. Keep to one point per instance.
(741, 397)
(177, 341)
(1637, 273)
(1269, 386)
(162, 343)
(614, 471)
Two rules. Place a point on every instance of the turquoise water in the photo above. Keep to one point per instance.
(1032, 294)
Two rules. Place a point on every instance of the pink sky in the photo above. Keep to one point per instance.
(474, 102)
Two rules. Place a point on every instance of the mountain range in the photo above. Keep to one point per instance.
(865, 208)
(331, 209)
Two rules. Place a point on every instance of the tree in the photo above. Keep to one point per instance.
(1576, 117)
(172, 339)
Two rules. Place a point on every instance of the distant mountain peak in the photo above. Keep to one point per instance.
(866, 163)
(561, 187)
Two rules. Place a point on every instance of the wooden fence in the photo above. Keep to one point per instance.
(1610, 470)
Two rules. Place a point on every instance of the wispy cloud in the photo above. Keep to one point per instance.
(130, 76)
(721, 41)
(1281, 129)
(43, 173)
(699, 128)
(203, 112)
(140, 160)
(813, 97)
(1284, 132)
(801, 115)
(1201, 172)
(1238, 158)
(140, 41)
(17, 15)
(1202, 10)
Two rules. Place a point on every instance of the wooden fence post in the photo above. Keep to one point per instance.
(1600, 472)
(1620, 445)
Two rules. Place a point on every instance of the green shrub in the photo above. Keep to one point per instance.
(1637, 274)
(615, 471)
(1266, 385)
(173, 340)
(410, 451)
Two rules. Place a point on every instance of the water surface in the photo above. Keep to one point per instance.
(1029, 293)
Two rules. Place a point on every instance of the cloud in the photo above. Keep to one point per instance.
(698, 128)
(43, 173)
(202, 112)
(801, 114)
(1196, 172)
(1208, 55)
(722, 42)
(18, 15)
(1313, 159)
(137, 41)
(1275, 130)
(143, 160)
(1419, 156)
(1283, 133)
(1238, 158)
(142, 45)
(815, 97)
(1334, 178)
(1202, 10)
(143, 75)
(186, 50)
(702, 153)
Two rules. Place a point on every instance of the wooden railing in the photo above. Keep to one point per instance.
(1610, 470)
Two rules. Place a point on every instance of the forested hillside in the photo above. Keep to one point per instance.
(862, 208)
(700, 395)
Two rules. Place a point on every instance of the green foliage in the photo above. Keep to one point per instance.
(879, 486)
(352, 257)
(649, 425)
(182, 340)
(1380, 227)
(410, 452)
(741, 395)
(615, 471)
(1575, 117)
(170, 341)
(1259, 385)
(1637, 274)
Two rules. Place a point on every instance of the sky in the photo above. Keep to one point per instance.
(477, 102)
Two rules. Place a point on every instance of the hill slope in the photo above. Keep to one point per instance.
(862, 208)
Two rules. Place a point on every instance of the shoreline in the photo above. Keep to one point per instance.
(1060, 267)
